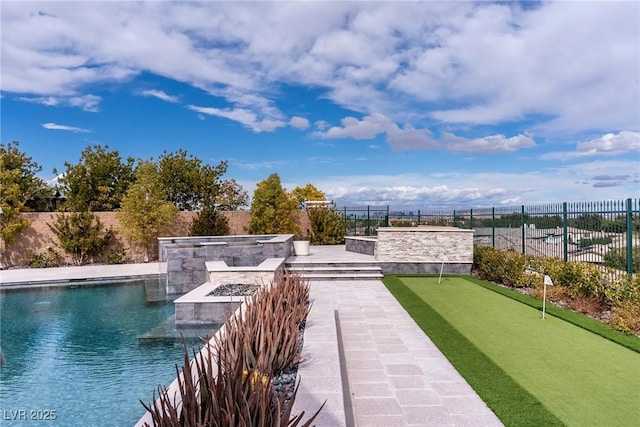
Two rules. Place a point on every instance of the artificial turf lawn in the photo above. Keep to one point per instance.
(528, 370)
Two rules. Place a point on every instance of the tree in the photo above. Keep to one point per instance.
(81, 235)
(19, 186)
(188, 182)
(98, 182)
(308, 192)
(272, 209)
(231, 196)
(210, 222)
(327, 225)
(145, 212)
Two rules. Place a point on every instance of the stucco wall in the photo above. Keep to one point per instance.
(36, 238)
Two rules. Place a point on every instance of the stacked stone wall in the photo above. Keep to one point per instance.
(425, 245)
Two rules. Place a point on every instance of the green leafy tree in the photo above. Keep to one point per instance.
(210, 222)
(189, 182)
(98, 182)
(81, 235)
(308, 192)
(272, 209)
(327, 225)
(231, 196)
(19, 187)
(145, 213)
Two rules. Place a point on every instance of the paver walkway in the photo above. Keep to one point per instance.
(396, 375)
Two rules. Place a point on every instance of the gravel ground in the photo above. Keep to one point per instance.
(234, 289)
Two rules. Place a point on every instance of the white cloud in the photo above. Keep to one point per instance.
(455, 63)
(608, 144)
(461, 189)
(367, 128)
(244, 116)
(89, 102)
(160, 95)
(49, 101)
(265, 164)
(611, 143)
(86, 102)
(409, 138)
(299, 123)
(487, 144)
(55, 126)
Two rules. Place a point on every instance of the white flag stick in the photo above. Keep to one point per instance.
(444, 259)
(547, 281)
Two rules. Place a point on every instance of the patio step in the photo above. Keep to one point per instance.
(338, 271)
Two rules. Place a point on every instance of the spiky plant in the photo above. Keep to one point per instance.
(229, 382)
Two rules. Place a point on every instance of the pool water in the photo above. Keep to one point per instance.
(72, 355)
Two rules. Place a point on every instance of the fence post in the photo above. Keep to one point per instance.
(346, 223)
(493, 227)
(523, 234)
(565, 234)
(386, 218)
(418, 216)
(629, 238)
(368, 222)
(470, 219)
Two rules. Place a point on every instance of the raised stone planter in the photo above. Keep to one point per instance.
(220, 273)
(185, 257)
(199, 307)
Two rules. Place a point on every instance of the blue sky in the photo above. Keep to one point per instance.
(408, 104)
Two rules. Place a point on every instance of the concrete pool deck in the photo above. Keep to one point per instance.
(363, 353)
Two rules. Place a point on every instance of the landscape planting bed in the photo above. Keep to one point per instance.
(555, 371)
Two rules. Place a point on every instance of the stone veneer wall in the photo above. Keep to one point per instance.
(186, 267)
(361, 245)
(421, 249)
(202, 313)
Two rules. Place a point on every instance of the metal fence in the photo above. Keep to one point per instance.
(364, 221)
(605, 233)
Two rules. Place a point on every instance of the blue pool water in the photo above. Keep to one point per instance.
(73, 355)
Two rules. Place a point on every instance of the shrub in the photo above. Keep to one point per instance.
(209, 222)
(506, 267)
(116, 256)
(81, 235)
(229, 382)
(51, 258)
(327, 225)
(626, 317)
(617, 258)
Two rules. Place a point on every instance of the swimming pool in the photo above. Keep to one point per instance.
(72, 355)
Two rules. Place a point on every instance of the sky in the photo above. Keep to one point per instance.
(407, 104)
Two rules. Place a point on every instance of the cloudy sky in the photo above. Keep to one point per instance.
(416, 104)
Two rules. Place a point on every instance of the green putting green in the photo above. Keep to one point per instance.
(582, 378)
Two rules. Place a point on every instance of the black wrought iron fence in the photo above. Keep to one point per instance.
(605, 233)
(364, 221)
